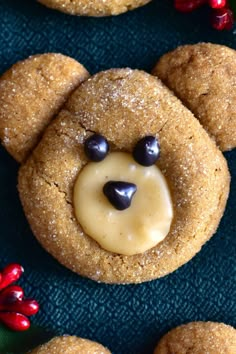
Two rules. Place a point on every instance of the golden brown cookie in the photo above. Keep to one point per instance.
(94, 7)
(203, 76)
(31, 94)
(124, 105)
(70, 345)
(199, 338)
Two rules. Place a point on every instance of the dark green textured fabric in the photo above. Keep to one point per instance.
(128, 319)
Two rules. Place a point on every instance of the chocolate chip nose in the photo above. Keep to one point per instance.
(119, 193)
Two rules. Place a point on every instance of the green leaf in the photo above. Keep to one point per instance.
(21, 342)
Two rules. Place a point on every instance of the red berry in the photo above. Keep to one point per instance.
(222, 19)
(13, 309)
(188, 5)
(230, 22)
(217, 4)
(11, 294)
(25, 307)
(15, 321)
(10, 274)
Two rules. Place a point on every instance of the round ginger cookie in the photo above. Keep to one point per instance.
(97, 8)
(203, 76)
(70, 345)
(31, 93)
(199, 338)
(124, 105)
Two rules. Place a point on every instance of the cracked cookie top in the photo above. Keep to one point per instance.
(124, 105)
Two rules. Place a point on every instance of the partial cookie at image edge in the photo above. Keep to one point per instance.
(70, 345)
(94, 8)
(199, 338)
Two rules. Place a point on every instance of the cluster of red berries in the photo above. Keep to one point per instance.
(221, 14)
(13, 307)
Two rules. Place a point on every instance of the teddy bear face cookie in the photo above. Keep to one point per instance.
(95, 8)
(70, 345)
(199, 338)
(124, 106)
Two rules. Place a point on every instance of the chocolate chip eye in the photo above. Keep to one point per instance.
(147, 151)
(96, 147)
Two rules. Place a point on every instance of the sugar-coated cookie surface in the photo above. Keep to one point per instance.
(94, 7)
(199, 338)
(203, 76)
(70, 345)
(31, 93)
(124, 105)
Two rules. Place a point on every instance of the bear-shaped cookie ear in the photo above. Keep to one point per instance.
(203, 76)
(31, 93)
(70, 344)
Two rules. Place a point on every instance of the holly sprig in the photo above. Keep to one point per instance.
(222, 12)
